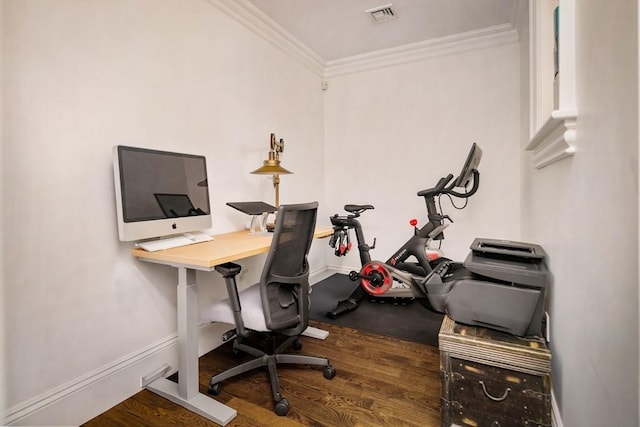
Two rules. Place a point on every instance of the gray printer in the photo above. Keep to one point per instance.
(501, 285)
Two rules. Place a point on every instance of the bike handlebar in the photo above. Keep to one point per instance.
(443, 182)
(441, 187)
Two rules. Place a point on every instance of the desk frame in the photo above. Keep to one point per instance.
(187, 259)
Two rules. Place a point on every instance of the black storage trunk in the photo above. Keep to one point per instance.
(489, 378)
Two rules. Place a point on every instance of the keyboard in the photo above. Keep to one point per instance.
(173, 242)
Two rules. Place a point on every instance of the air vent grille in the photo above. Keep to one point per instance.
(382, 13)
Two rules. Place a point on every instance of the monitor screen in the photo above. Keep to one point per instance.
(471, 164)
(159, 193)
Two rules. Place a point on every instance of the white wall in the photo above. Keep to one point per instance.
(80, 77)
(394, 131)
(584, 212)
(3, 368)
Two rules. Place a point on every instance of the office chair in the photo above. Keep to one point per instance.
(276, 306)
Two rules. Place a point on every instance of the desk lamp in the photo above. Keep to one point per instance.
(272, 166)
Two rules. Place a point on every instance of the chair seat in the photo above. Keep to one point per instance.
(252, 313)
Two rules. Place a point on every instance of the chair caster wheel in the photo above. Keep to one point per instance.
(215, 389)
(281, 407)
(329, 372)
(297, 344)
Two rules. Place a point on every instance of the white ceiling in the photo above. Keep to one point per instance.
(336, 29)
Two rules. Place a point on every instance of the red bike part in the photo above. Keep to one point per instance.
(374, 269)
(433, 254)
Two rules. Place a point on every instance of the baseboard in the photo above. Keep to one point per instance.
(341, 270)
(321, 274)
(85, 397)
(556, 421)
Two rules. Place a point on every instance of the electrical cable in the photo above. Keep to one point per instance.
(466, 200)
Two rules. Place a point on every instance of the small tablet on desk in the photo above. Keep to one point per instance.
(253, 208)
(258, 211)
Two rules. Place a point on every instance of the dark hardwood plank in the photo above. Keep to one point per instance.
(380, 381)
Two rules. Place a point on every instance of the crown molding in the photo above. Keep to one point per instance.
(257, 21)
(457, 43)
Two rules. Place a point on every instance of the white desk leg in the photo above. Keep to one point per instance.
(186, 392)
(187, 333)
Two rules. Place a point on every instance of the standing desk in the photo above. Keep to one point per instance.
(187, 259)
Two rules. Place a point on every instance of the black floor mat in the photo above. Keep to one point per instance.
(411, 322)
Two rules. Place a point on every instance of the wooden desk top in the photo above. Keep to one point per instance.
(223, 248)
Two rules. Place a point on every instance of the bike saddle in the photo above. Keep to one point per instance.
(357, 208)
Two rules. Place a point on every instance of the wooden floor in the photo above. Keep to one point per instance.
(380, 382)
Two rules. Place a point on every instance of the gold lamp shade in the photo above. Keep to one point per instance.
(271, 166)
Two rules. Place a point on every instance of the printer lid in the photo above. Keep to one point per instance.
(515, 262)
(508, 248)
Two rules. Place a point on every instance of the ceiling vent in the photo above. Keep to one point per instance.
(382, 13)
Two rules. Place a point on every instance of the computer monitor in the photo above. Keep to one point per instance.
(159, 193)
(471, 164)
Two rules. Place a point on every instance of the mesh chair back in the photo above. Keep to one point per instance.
(284, 284)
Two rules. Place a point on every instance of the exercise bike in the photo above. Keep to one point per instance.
(398, 278)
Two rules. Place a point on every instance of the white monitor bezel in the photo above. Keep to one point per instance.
(156, 228)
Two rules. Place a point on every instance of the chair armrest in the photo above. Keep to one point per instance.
(228, 269)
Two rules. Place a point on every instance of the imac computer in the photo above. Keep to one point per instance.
(159, 193)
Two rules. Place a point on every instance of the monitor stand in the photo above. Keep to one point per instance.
(259, 212)
(259, 223)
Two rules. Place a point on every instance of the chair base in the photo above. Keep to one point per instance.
(271, 358)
